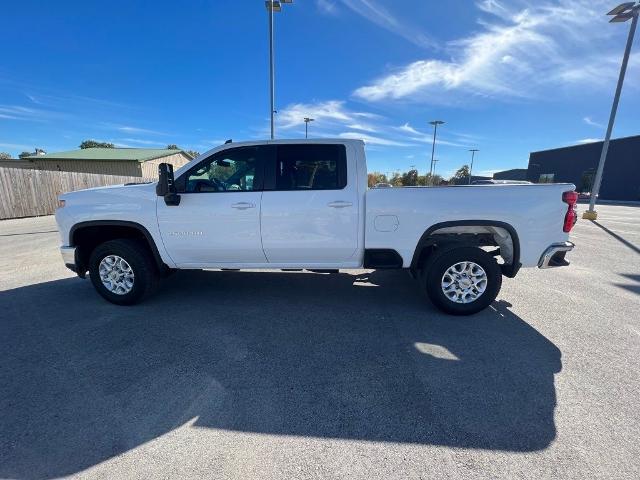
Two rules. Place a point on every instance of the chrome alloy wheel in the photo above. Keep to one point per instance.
(464, 282)
(116, 274)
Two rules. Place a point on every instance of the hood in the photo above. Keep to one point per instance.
(111, 191)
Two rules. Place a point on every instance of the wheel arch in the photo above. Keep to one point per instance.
(430, 238)
(87, 235)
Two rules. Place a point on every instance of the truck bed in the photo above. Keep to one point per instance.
(396, 218)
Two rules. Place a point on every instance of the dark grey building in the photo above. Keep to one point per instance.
(577, 164)
(513, 174)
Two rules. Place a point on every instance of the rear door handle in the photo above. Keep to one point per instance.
(243, 205)
(339, 204)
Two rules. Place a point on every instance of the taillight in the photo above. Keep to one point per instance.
(571, 217)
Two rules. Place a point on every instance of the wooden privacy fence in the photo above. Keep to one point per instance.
(29, 193)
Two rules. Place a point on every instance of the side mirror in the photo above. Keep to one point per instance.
(166, 185)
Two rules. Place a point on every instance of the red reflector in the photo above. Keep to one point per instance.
(570, 219)
(570, 197)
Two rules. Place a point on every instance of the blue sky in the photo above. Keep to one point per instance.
(508, 77)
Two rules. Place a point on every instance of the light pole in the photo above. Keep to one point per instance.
(435, 124)
(621, 13)
(473, 153)
(435, 160)
(306, 126)
(272, 6)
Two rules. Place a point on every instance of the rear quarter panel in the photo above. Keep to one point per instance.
(536, 212)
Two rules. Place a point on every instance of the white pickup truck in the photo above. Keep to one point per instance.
(304, 204)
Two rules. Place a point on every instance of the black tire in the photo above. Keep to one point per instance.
(441, 260)
(139, 259)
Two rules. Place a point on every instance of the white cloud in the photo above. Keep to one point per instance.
(65, 100)
(33, 99)
(329, 116)
(327, 7)
(519, 51)
(328, 112)
(334, 119)
(368, 115)
(376, 13)
(592, 123)
(425, 137)
(128, 129)
(493, 7)
(373, 140)
(17, 112)
(16, 146)
(588, 140)
(140, 141)
(365, 127)
(409, 129)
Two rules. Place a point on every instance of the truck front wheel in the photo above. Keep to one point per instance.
(461, 280)
(122, 271)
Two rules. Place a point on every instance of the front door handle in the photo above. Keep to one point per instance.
(339, 204)
(243, 205)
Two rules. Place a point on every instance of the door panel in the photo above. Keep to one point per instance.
(212, 228)
(310, 216)
(301, 227)
(218, 219)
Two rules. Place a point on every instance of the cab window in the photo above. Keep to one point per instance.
(233, 170)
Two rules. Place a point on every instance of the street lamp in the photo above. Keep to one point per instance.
(435, 124)
(473, 153)
(272, 6)
(306, 126)
(622, 13)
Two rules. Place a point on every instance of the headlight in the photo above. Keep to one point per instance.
(61, 203)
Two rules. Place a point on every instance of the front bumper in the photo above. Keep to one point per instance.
(554, 255)
(69, 257)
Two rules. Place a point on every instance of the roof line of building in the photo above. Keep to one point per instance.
(578, 145)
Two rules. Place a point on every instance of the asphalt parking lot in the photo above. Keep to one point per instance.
(272, 375)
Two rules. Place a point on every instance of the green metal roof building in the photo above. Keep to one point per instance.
(133, 162)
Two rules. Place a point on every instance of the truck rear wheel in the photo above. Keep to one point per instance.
(461, 280)
(122, 271)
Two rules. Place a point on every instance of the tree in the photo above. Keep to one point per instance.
(431, 180)
(173, 146)
(396, 180)
(5, 156)
(376, 177)
(193, 153)
(96, 144)
(410, 178)
(461, 173)
(405, 179)
(461, 177)
(25, 154)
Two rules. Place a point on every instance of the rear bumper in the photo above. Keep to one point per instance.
(554, 255)
(69, 257)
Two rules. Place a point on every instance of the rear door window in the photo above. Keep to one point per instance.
(310, 167)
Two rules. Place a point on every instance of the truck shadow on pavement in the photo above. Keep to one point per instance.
(345, 356)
